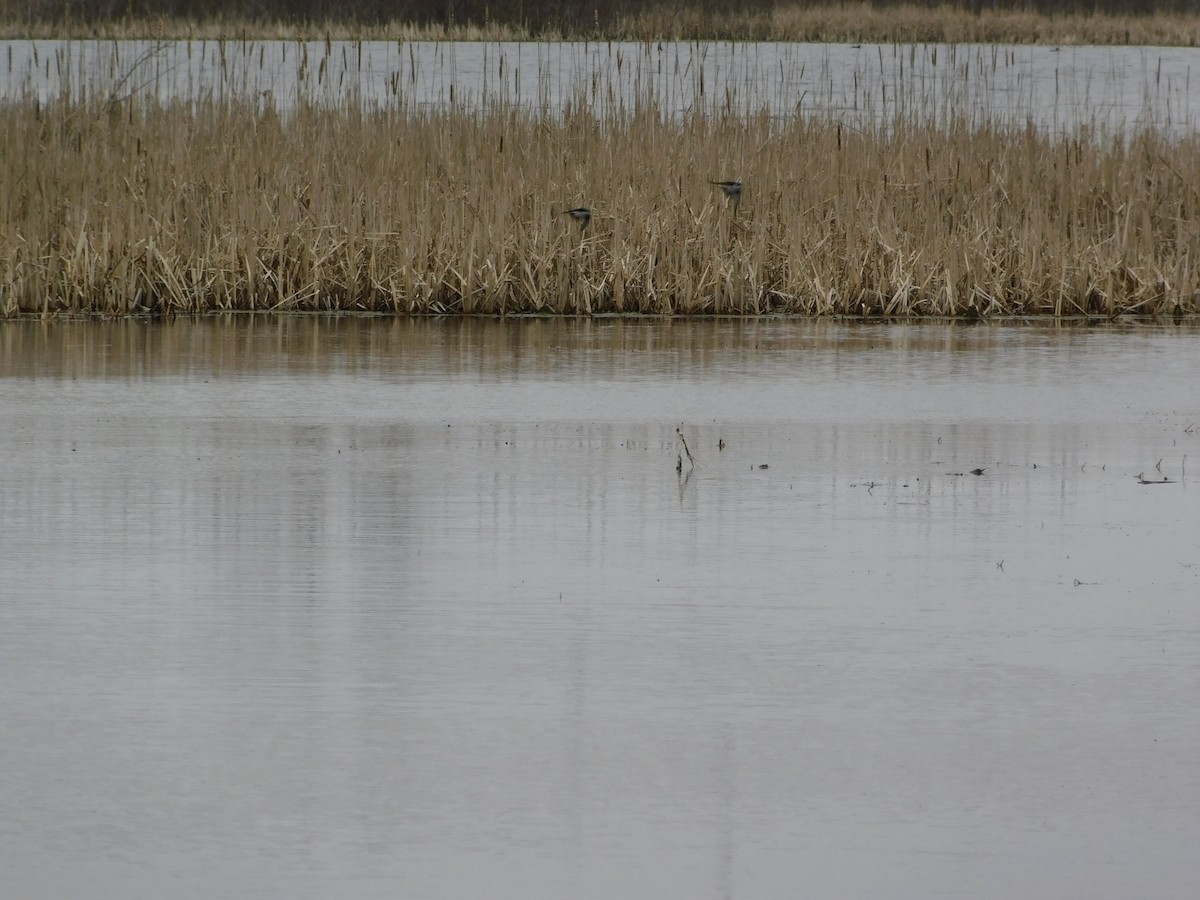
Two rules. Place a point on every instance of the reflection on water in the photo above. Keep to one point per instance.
(364, 607)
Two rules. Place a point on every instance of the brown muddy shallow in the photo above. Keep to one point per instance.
(370, 608)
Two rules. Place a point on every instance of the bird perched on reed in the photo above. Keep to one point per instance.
(732, 191)
(582, 215)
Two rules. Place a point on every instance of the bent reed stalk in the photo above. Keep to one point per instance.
(142, 208)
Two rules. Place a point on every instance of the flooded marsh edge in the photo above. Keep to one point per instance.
(904, 198)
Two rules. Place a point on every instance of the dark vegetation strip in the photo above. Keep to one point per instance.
(1044, 21)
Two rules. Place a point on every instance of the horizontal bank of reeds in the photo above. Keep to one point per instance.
(145, 209)
(1146, 23)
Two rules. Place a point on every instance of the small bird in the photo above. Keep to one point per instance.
(582, 215)
(732, 191)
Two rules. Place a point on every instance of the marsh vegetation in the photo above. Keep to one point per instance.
(130, 193)
(1146, 22)
(121, 207)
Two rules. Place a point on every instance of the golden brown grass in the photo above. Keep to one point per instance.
(132, 208)
(834, 22)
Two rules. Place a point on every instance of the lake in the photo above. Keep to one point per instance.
(1111, 90)
(308, 607)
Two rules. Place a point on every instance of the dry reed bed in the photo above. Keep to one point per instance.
(146, 209)
(853, 22)
(907, 24)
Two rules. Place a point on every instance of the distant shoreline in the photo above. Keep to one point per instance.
(846, 23)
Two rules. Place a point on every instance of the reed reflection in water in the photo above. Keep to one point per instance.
(377, 608)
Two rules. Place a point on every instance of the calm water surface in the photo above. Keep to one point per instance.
(318, 608)
(1056, 89)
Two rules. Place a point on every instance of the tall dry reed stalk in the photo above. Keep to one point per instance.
(140, 208)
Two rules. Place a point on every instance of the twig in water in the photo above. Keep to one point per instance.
(686, 452)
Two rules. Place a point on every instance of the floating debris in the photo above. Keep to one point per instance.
(1142, 479)
(684, 451)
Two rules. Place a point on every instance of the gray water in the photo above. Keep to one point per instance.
(1060, 90)
(318, 608)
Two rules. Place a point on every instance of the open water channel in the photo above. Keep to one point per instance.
(1107, 90)
(311, 608)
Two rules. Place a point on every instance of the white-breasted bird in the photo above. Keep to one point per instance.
(581, 214)
(732, 191)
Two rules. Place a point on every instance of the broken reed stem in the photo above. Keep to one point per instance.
(133, 208)
(686, 452)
